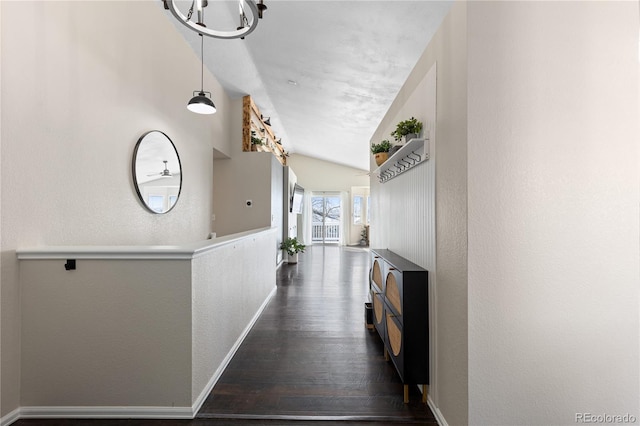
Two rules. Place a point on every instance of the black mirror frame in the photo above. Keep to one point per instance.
(135, 180)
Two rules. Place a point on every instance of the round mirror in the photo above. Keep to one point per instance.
(157, 172)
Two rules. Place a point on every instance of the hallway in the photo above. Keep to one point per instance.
(310, 355)
(309, 359)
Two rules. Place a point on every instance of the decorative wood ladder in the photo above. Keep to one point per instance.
(252, 120)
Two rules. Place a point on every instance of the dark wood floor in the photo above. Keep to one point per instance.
(309, 358)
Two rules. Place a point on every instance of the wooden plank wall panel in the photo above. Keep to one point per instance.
(406, 215)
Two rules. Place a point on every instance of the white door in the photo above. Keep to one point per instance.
(325, 218)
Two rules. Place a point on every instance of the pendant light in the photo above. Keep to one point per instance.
(200, 103)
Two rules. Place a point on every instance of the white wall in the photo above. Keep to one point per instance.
(320, 175)
(553, 211)
(13, 379)
(83, 81)
(255, 176)
(356, 229)
(403, 218)
(422, 214)
(537, 131)
(290, 223)
(277, 203)
(230, 285)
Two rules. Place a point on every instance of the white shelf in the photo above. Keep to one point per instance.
(414, 152)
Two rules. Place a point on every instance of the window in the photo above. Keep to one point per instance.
(357, 209)
(156, 203)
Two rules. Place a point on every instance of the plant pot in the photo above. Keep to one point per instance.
(410, 136)
(254, 147)
(381, 157)
(292, 258)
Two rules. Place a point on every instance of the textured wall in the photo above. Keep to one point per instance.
(241, 177)
(81, 81)
(245, 176)
(230, 284)
(553, 211)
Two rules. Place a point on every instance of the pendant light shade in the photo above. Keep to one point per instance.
(201, 104)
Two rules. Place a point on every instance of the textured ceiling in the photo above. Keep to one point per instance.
(348, 58)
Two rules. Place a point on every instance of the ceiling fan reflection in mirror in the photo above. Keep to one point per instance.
(165, 172)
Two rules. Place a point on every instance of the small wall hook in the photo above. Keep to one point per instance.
(70, 265)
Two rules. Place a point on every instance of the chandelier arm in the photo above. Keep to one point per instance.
(190, 13)
(223, 34)
(200, 12)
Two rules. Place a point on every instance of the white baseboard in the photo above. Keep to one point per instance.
(106, 412)
(7, 419)
(97, 413)
(227, 359)
(436, 412)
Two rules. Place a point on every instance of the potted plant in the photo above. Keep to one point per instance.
(364, 237)
(255, 141)
(380, 151)
(292, 246)
(410, 129)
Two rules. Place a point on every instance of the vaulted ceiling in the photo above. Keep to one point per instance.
(324, 71)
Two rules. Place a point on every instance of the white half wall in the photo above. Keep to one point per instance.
(230, 284)
(553, 211)
(134, 331)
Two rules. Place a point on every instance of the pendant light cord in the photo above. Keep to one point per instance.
(202, 64)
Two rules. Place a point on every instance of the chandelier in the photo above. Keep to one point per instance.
(248, 14)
